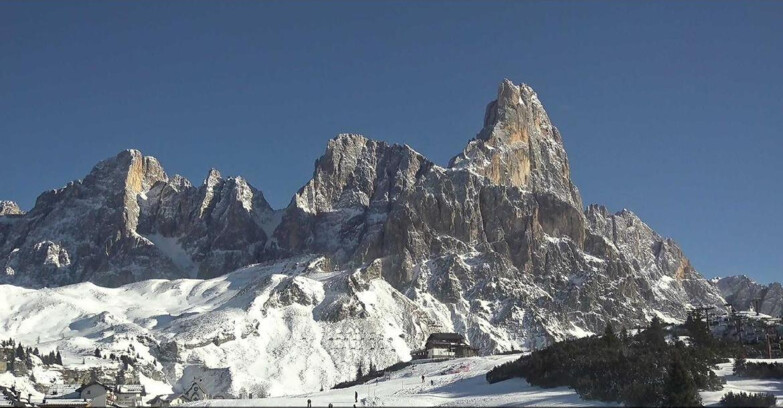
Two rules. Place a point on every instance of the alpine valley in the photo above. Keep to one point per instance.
(381, 248)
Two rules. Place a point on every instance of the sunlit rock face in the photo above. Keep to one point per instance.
(520, 147)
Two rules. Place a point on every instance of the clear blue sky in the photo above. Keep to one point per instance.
(673, 110)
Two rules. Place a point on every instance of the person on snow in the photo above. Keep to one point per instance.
(356, 396)
(309, 403)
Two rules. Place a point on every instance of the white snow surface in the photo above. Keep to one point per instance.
(262, 329)
(737, 384)
(459, 382)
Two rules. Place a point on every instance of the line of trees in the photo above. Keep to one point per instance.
(23, 354)
(741, 399)
(640, 370)
(757, 370)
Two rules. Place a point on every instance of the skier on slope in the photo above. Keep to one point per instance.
(356, 396)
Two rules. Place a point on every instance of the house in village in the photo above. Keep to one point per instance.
(170, 400)
(129, 395)
(96, 394)
(62, 391)
(11, 397)
(195, 392)
(445, 345)
(99, 394)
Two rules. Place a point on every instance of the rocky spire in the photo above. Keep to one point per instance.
(125, 176)
(130, 170)
(518, 146)
(211, 183)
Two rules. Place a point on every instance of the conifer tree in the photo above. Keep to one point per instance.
(624, 335)
(610, 338)
(680, 388)
(655, 335)
(739, 365)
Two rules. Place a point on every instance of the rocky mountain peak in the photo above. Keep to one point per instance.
(213, 178)
(345, 176)
(518, 146)
(10, 208)
(179, 182)
(129, 169)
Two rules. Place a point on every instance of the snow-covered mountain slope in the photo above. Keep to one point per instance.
(738, 384)
(276, 328)
(379, 249)
(741, 291)
(462, 382)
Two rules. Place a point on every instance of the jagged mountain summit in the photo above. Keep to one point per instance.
(128, 221)
(496, 246)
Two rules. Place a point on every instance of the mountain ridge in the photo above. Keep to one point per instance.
(497, 245)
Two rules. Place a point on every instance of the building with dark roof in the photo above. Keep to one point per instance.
(445, 345)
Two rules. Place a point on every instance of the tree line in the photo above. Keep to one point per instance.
(639, 370)
(745, 368)
(23, 354)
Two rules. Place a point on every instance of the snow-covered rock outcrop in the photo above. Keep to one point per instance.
(10, 208)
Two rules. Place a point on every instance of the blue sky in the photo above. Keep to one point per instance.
(672, 110)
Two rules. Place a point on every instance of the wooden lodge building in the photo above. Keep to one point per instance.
(445, 345)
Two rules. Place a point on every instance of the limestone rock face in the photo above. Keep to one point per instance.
(520, 147)
(207, 231)
(92, 220)
(741, 291)
(127, 221)
(656, 261)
